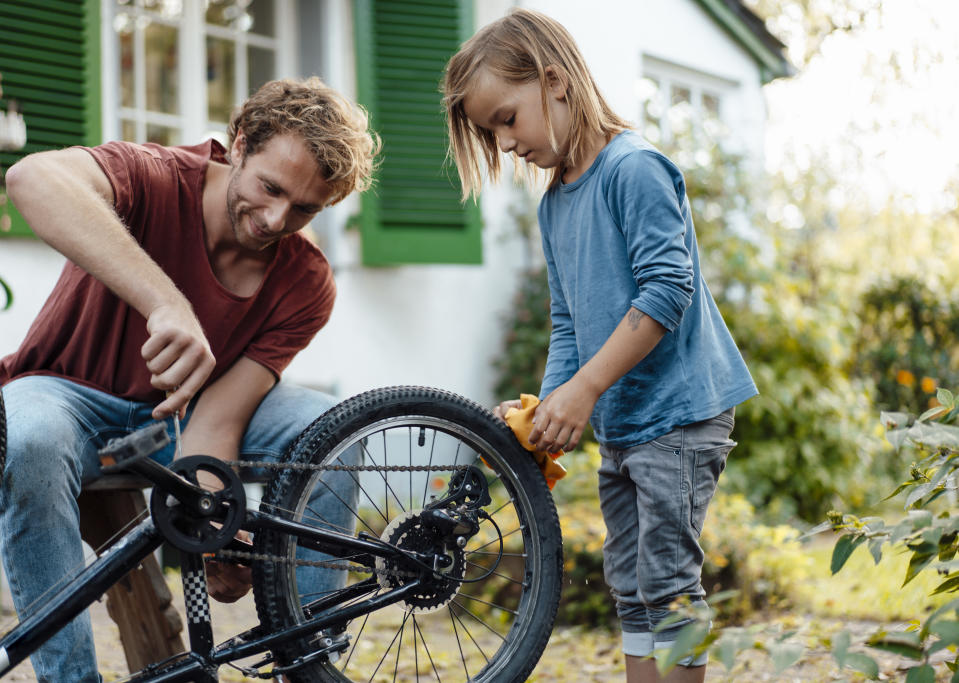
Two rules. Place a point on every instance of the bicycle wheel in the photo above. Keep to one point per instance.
(491, 616)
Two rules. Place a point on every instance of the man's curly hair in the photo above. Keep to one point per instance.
(335, 129)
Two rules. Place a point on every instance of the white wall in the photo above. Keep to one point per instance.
(442, 325)
(31, 268)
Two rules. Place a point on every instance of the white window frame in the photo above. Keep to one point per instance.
(191, 121)
(699, 83)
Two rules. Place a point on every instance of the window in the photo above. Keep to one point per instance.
(58, 93)
(672, 97)
(413, 214)
(182, 65)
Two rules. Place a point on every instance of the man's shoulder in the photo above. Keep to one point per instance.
(185, 155)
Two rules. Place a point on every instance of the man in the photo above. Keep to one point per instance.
(188, 290)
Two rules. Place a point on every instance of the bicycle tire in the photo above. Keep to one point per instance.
(514, 624)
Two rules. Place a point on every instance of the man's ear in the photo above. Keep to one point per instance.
(557, 81)
(238, 148)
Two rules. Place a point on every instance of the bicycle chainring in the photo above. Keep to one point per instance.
(193, 533)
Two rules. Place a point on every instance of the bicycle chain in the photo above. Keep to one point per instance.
(270, 465)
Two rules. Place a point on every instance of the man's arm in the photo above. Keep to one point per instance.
(224, 410)
(216, 428)
(82, 225)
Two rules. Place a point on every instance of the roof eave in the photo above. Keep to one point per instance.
(763, 47)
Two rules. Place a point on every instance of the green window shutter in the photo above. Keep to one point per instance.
(413, 213)
(50, 62)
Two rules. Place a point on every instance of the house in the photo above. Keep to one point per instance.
(423, 279)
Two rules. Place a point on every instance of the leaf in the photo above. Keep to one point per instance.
(947, 630)
(950, 585)
(689, 637)
(863, 663)
(902, 643)
(933, 412)
(840, 646)
(945, 397)
(918, 562)
(784, 655)
(843, 549)
(875, 547)
(818, 529)
(921, 674)
(727, 653)
(918, 493)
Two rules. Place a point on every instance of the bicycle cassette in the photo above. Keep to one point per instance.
(411, 532)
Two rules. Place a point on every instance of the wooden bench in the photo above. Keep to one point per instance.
(141, 603)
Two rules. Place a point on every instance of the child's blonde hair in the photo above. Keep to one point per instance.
(519, 48)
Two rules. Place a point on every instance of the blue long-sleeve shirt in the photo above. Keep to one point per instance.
(622, 236)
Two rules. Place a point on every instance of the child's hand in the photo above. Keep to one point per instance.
(500, 410)
(560, 419)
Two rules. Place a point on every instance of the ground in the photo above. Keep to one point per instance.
(595, 651)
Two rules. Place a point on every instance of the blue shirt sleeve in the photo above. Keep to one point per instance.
(562, 359)
(646, 197)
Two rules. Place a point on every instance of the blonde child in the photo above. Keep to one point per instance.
(638, 347)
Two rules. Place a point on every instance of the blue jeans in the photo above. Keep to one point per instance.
(54, 429)
(654, 498)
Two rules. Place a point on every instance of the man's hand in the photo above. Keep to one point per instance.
(228, 582)
(178, 356)
(560, 419)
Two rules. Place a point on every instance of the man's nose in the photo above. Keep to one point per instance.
(276, 215)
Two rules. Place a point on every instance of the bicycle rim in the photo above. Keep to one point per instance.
(491, 627)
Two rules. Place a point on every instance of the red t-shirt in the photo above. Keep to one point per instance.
(86, 333)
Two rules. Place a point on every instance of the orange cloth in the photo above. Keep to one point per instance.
(520, 420)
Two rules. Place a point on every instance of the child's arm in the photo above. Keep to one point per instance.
(563, 414)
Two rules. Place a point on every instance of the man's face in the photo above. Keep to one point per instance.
(513, 112)
(274, 192)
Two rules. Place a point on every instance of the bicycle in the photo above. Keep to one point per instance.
(453, 573)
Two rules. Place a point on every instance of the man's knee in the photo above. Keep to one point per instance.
(43, 441)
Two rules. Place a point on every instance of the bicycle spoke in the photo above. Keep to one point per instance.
(480, 621)
(487, 602)
(459, 643)
(496, 573)
(426, 485)
(399, 645)
(469, 633)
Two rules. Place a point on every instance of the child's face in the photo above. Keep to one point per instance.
(513, 112)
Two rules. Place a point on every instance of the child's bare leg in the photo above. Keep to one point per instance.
(643, 670)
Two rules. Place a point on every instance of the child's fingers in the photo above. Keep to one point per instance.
(501, 410)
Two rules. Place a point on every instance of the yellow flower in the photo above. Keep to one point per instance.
(905, 378)
(928, 385)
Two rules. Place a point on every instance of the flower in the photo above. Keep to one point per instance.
(928, 385)
(905, 378)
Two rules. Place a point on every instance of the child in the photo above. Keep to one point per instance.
(638, 346)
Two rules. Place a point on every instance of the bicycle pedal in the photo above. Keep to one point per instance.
(119, 453)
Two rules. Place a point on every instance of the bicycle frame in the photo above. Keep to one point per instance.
(203, 658)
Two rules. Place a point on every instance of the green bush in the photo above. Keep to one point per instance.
(908, 342)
